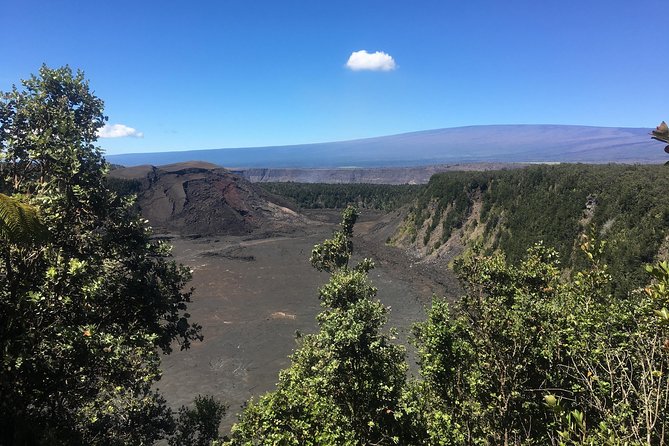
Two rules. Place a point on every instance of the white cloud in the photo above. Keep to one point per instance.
(378, 61)
(118, 131)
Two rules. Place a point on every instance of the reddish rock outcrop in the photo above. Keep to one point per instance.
(206, 199)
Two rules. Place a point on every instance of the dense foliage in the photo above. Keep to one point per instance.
(526, 357)
(384, 197)
(529, 355)
(198, 425)
(626, 205)
(87, 308)
(123, 187)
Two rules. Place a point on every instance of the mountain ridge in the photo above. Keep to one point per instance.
(470, 144)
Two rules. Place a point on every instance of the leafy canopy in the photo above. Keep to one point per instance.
(86, 311)
(531, 356)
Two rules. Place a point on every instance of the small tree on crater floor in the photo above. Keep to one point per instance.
(345, 382)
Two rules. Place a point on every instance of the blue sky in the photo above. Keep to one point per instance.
(201, 75)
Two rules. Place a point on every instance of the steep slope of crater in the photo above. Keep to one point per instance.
(204, 199)
(627, 206)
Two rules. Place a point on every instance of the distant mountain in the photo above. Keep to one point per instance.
(490, 143)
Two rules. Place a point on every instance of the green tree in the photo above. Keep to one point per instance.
(198, 425)
(532, 355)
(485, 363)
(345, 383)
(86, 312)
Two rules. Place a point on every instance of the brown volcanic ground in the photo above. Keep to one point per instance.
(253, 293)
(254, 286)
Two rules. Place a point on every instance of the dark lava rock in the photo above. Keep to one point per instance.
(202, 198)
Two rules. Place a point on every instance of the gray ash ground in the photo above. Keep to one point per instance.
(253, 293)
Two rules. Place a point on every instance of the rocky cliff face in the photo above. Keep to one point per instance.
(204, 199)
(429, 242)
(627, 206)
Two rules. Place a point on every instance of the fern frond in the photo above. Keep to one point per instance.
(19, 222)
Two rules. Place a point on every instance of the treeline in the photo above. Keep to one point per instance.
(628, 206)
(123, 186)
(383, 197)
